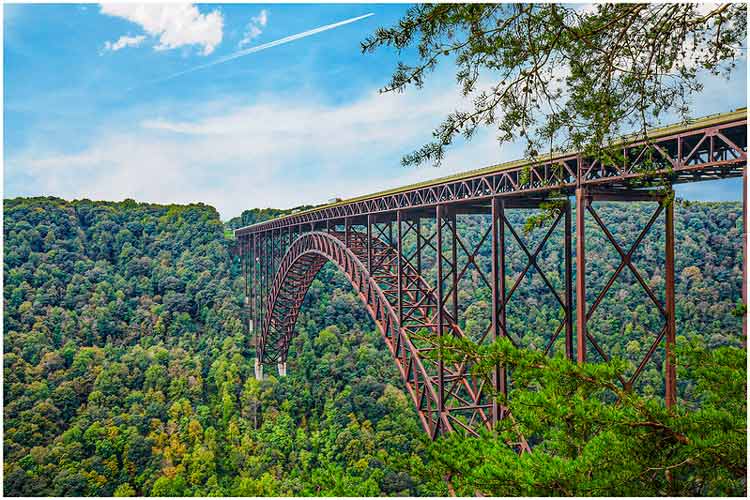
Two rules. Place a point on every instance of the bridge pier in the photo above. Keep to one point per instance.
(282, 368)
(585, 199)
(258, 369)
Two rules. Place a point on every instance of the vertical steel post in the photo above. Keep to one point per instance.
(454, 257)
(264, 271)
(418, 294)
(260, 276)
(568, 282)
(347, 232)
(496, 285)
(243, 261)
(419, 244)
(249, 271)
(254, 289)
(744, 255)
(272, 271)
(369, 244)
(269, 270)
(399, 252)
(502, 297)
(440, 305)
(670, 371)
(581, 201)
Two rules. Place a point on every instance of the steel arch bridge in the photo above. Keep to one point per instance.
(407, 259)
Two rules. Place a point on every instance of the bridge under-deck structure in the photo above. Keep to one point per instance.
(407, 260)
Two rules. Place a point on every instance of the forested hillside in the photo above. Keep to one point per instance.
(127, 370)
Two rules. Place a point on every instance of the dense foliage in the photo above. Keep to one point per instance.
(592, 438)
(127, 370)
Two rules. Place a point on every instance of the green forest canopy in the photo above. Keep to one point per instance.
(127, 371)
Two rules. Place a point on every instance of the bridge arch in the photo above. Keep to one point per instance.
(460, 408)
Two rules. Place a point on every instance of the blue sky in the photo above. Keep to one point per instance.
(88, 114)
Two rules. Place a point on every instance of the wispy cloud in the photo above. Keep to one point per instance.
(124, 41)
(254, 28)
(278, 151)
(176, 25)
(259, 48)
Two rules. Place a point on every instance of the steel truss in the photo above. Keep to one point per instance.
(693, 153)
(407, 261)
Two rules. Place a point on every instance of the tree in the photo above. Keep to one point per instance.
(124, 490)
(584, 445)
(563, 76)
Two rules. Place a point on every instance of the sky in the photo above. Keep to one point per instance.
(98, 105)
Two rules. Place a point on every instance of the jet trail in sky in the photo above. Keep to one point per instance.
(264, 46)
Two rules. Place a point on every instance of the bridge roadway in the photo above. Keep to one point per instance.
(404, 255)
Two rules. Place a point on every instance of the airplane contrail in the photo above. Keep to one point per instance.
(258, 48)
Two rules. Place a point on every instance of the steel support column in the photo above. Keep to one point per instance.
(744, 255)
(418, 228)
(670, 384)
(581, 202)
(243, 260)
(399, 269)
(503, 295)
(568, 281)
(498, 299)
(440, 304)
(454, 266)
(369, 243)
(254, 289)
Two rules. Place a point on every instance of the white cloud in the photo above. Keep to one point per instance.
(175, 25)
(278, 151)
(254, 28)
(124, 41)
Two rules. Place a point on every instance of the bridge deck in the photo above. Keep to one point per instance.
(707, 148)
